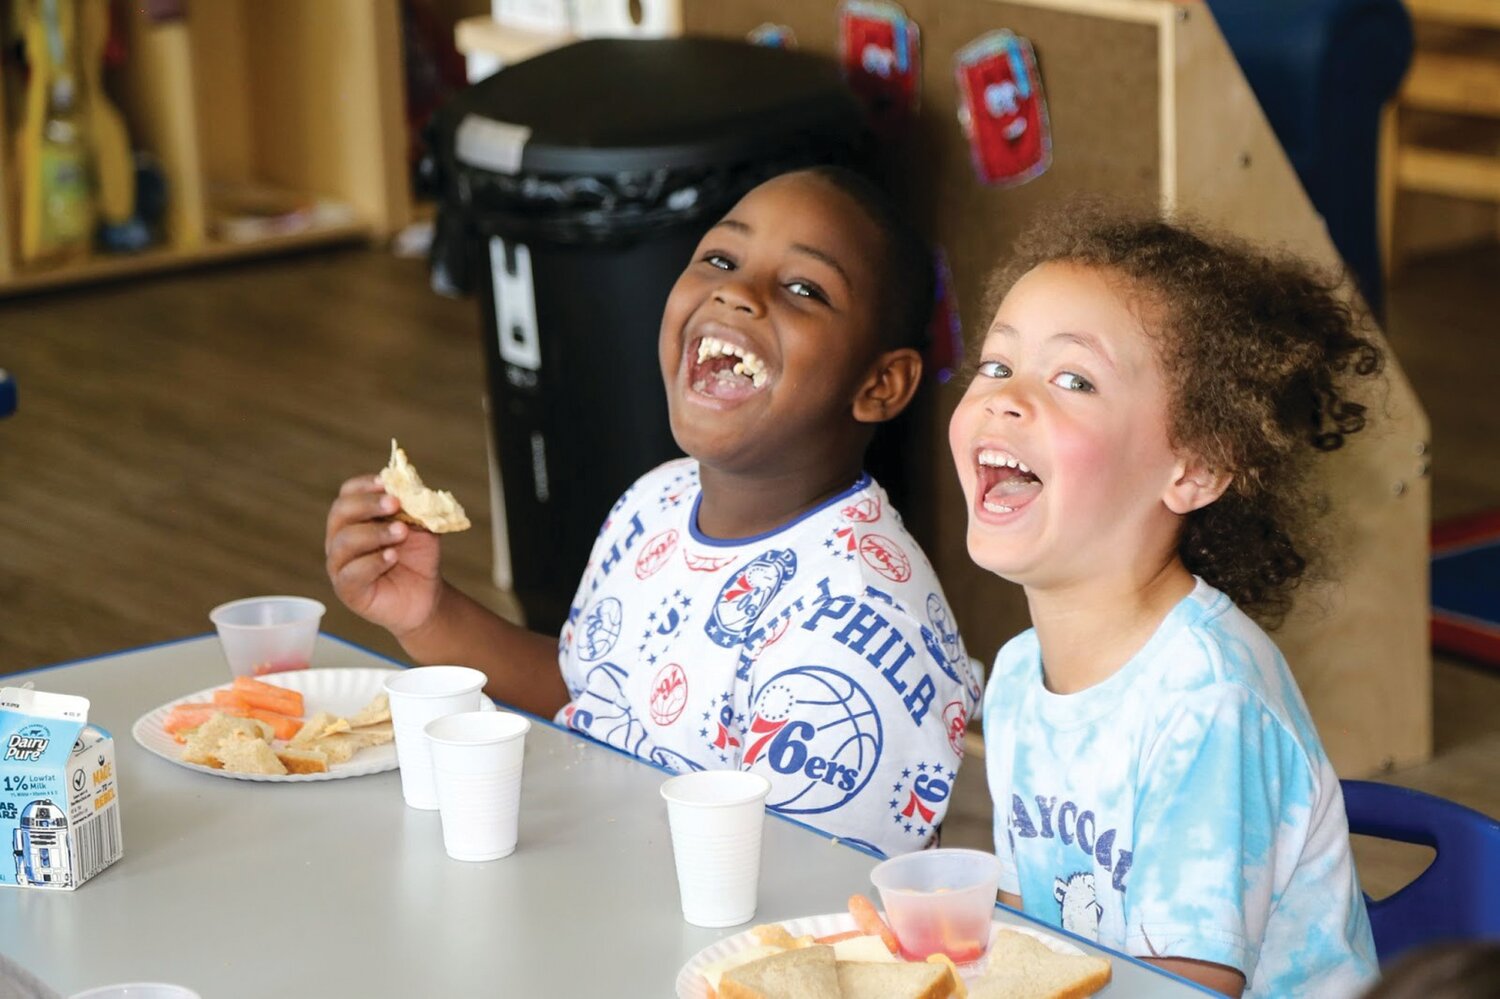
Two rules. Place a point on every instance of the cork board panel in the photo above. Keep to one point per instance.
(1101, 78)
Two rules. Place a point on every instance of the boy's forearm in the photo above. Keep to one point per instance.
(521, 664)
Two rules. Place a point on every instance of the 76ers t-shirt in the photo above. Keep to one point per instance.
(822, 655)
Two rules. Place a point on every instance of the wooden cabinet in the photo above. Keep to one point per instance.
(1440, 164)
(249, 96)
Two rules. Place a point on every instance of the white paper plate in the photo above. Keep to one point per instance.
(341, 691)
(691, 984)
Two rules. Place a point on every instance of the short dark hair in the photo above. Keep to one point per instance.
(1260, 353)
(906, 272)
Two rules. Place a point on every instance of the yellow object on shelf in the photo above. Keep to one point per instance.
(56, 197)
(114, 176)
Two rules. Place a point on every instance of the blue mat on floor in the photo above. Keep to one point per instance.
(1466, 588)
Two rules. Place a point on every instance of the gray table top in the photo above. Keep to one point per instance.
(335, 888)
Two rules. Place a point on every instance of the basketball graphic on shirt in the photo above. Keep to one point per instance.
(668, 694)
(865, 511)
(603, 710)
(599, 630)
(746, 594)
(655, 554)
(885, 557)
(941, 638)
(819, 734)
(705, 563)
(955, 723)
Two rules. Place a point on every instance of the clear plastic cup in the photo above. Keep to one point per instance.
(418, 696)
(476, 765)
(267, 634)
(940, 902)
(716, 817)
(138, 990)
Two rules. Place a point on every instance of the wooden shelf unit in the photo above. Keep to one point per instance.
(1440, 157)
(305, 98)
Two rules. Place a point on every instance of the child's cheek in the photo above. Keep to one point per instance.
(961, 431)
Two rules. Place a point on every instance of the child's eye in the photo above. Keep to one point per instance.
(806, 289)
(718, 260)
(1073, 383)
(994, 369)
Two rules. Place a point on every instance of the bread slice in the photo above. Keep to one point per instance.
(338, 748)
(202, 745)
(803, 973)
(314, 729)
(893, 980)
(433, 509)
(1022, 967)
(303, 761)
(374, 735)
(243, 755)
(377, 711)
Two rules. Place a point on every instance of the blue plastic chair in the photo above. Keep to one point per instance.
(1458, 896)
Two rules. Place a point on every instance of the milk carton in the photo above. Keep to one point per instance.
(58, 807)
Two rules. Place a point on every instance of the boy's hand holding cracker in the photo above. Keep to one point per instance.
(383, 569)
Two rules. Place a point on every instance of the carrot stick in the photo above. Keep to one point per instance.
(269, 696)
(285, 726)
(869, 921)
(231, 699)
(834, 938)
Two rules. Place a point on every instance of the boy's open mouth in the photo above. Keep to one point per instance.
(723, 370)
(1004, 482)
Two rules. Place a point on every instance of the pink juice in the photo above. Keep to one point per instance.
(943, 922)
(279, 666)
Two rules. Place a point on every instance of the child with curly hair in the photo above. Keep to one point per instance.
(1133, 448)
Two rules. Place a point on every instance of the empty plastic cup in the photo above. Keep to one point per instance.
(267, 634)
(418, 696)
(138, 990)
(716, 817)
(940, 901)
(476, 765)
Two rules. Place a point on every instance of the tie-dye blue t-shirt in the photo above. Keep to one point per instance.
(1181, 808)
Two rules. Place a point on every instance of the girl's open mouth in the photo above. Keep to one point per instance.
(723, 370)
(1003, 484)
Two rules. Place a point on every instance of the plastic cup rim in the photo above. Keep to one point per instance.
(992, 863)
(510, 735)
(100, 990)
(398, 674)
(305, 603)
(758, 788)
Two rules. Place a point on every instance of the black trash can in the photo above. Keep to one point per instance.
(573, 189)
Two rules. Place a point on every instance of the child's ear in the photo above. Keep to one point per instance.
(889, 386)
(1194, 485)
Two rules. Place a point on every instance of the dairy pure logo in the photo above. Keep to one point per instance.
(28, 744)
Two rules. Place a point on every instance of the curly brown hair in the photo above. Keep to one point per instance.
(1258, 351)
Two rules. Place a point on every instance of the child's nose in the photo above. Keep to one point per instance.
(1010, 401)
(740, 297)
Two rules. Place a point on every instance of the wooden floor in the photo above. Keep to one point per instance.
(178, 442)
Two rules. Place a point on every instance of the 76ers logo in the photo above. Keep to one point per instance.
(866, 511)
(656, 553)
(819, 729)
(885, 557)
(668, 694)
(747, 593)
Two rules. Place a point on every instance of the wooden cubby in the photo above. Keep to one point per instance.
(284, 95)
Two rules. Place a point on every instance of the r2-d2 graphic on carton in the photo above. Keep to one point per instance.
(59, 806)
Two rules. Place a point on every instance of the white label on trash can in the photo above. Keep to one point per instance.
(489, 144)
(515, 305)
